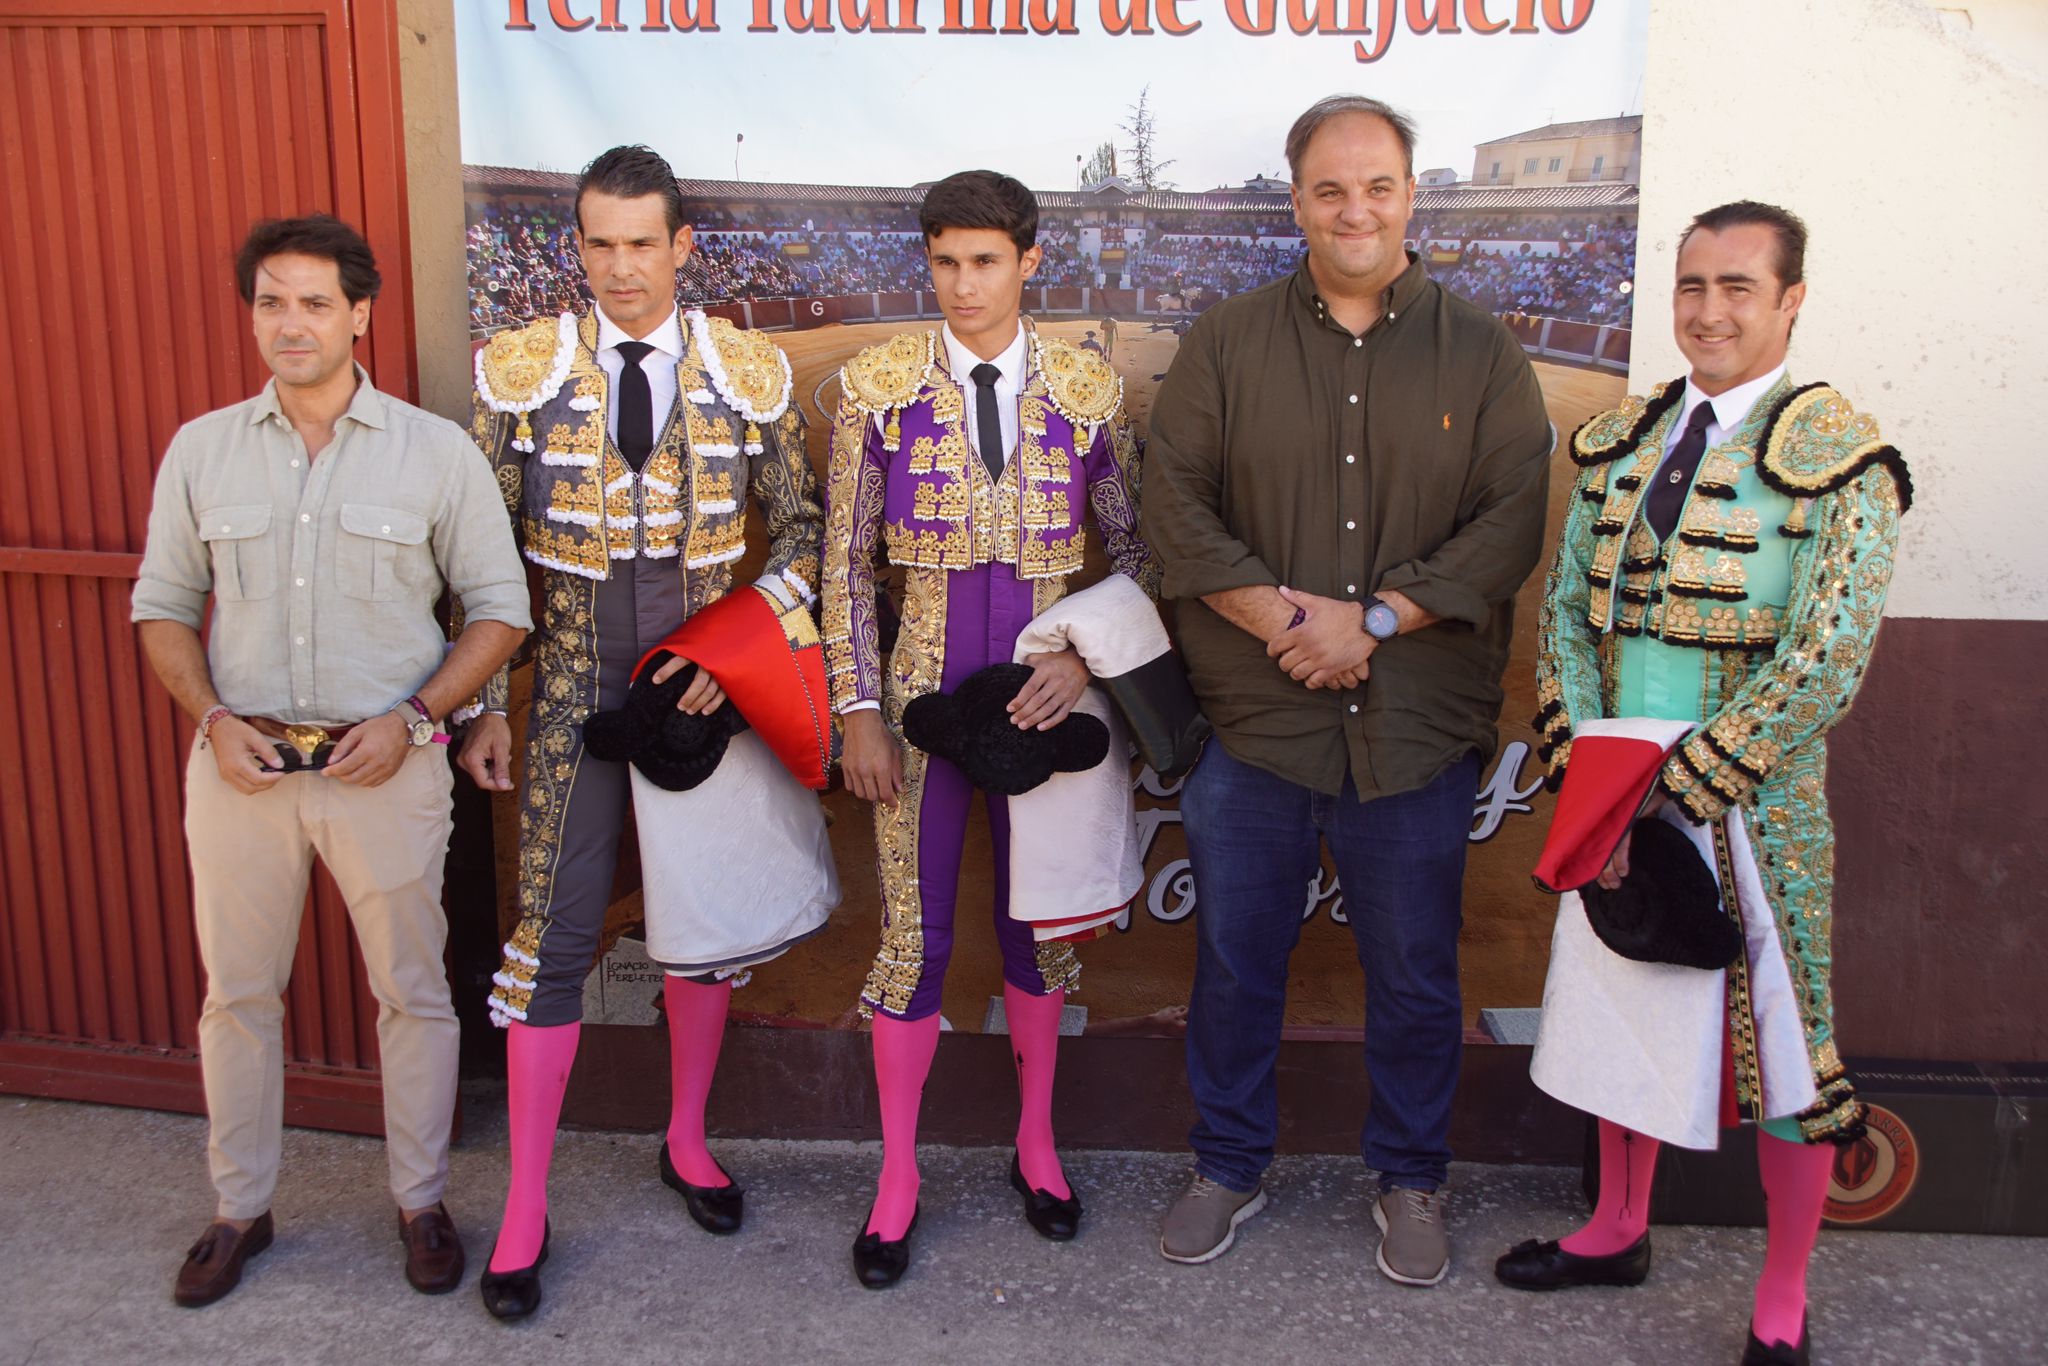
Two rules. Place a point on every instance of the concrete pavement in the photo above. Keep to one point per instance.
(99, 1204)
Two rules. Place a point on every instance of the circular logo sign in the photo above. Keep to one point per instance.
(1875, 1173)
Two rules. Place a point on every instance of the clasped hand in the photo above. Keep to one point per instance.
(1330, 648)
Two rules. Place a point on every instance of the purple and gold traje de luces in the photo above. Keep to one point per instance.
(941, 509)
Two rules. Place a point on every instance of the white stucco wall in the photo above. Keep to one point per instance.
(1913, 139)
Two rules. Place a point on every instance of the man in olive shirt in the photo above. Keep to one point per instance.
(325, 519)
(1346, 486)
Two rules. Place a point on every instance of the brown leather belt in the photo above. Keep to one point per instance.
(279, 730)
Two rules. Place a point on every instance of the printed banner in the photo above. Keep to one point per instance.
(803, 133)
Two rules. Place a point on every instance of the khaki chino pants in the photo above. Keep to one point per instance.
(252, 857)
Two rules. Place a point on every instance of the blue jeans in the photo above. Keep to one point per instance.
(1252, 839)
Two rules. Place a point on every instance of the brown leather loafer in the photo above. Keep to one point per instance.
(214, 1265)
(433, 1251)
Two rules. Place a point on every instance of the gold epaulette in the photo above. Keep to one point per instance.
(749, 371)
(1814, 442)
(887, 375)
(1084, 388)
(1614, 433)
(523, 367)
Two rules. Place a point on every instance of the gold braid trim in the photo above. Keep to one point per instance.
(521, 368)
(1081, 385)
(1837, 1116)
(1815, 442)
(748, 370)
(1616, 432)
(512, 985)
(888, 375)
(1058, 966)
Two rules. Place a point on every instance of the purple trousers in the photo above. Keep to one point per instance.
(986, 609)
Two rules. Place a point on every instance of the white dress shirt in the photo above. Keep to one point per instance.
(1731, 409)
(667, 340)
(961, 362)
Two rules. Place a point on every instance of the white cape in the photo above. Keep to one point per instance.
(1642, 1043)
(735, 870)
(1074, 848)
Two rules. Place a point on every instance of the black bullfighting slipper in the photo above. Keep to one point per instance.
(717, 1209)
(878, 1265)
(1532, 1265)
(1754, 1353)
(1053, 1217)
(513, 1295)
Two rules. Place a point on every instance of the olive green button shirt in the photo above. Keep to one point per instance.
(1285, 451)
(325, 572)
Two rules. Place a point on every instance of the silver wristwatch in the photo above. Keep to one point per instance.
(417, 732)
(1381, 621)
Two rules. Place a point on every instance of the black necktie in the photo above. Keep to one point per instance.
(988, 422)
(1667, 496)
(636, 405)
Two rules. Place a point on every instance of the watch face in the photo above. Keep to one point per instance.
(422, 732)
(1381, 621)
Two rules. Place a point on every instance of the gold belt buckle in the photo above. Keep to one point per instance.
(306, 740)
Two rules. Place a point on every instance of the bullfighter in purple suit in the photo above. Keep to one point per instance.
(970, 456)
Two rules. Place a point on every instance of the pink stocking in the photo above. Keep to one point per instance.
(537, 1062)
(696, 1028)
(903, 1059)
(1795, 1186)
(1628, 1163)
(1034, 1043)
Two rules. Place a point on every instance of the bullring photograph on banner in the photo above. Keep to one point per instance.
(804, 134)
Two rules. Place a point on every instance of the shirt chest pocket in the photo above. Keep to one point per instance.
(375, 554)
(244, 560)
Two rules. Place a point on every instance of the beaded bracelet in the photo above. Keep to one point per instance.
(213, 717)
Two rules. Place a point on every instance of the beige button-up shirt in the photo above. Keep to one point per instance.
(325, 572)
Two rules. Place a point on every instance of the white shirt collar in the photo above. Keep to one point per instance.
(667, 338)
(1730, 406)
(961, 362)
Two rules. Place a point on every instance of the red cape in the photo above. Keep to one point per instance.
(1613, 768)
(770, 663)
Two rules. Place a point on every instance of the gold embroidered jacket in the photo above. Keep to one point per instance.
(540, 401)
(1778, 570)
(903, 475)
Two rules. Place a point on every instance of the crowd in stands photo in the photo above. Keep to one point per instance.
(1556, 264)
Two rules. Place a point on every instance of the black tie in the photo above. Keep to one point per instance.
(988, 422)
(636, 405)
(1667, 496)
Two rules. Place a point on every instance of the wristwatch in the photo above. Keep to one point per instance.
(1381, 621)
(420, 732)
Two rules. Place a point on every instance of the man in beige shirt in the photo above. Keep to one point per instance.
(325, 519)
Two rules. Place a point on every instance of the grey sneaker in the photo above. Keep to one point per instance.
(1414, 1250)
(1203, 1222)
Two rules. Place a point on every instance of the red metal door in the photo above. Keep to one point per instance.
(138, 140)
